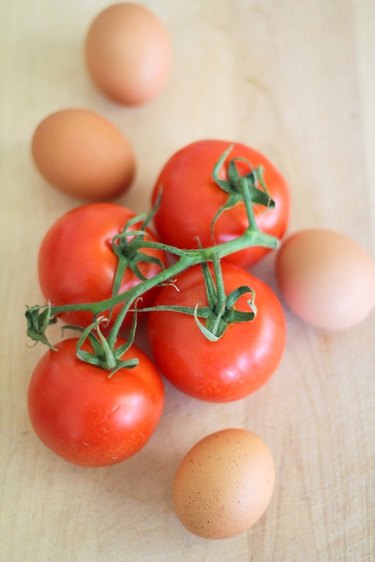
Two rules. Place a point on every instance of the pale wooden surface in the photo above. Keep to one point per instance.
(297, 81)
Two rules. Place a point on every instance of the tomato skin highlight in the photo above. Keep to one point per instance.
(77, 263)
(86, 417)
(191, 199)
(241, 361)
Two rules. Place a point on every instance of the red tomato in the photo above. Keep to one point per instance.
(88, 418)
(77, 263)
(238, 363)
(191, 199)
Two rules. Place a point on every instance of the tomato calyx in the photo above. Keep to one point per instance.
(38, 318)
(250, 188)
(221, 311)
(128, 245)
(104, 352)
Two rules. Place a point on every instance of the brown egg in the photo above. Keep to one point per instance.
(326, 278)
(224, 484)
(128, 53)
(84, 155)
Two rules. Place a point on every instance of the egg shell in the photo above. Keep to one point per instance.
(83, 154)
(326, 278)
(224, 483)
(128, 53)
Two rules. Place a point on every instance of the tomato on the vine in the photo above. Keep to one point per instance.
(77, 263)
(241, 361)
(191, 199)
(87, 417)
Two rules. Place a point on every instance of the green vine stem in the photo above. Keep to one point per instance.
(188, 258)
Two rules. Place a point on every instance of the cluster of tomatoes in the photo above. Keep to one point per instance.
(92, 417)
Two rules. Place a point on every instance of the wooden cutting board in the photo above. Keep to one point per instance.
(295, 80)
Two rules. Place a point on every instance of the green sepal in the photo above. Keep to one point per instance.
(129, 342)
(128, 364)
(233, 199)
(150, 259)
(207, 333)
(224, 185)
(232, 315)
(150, 215)
(235, 316)
(233, 297)
(90, 358)
(38, 322)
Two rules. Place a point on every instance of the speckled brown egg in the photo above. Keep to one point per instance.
(224, 484)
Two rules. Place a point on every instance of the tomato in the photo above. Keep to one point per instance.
(190, 199)
(238, 363)
(87, 417)
(77, 263)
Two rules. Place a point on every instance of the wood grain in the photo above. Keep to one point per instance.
(297, 81)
